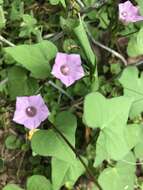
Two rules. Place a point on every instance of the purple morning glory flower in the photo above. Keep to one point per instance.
(68, 68)
(30, 111)
(129, 13)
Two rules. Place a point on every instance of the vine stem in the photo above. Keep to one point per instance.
(78, 156)
(60, 89)
(2, 39)
(115, 53)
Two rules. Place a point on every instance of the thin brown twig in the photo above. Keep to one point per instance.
(14, 157)
(20, 165)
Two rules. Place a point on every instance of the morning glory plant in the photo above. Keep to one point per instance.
(76, 55)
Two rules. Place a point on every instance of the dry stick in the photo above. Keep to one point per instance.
(20, 165)
(115, 53)
(14, 157)
(79, 157)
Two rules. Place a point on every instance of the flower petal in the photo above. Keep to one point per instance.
(30, 122)
(73, 61)
(22, 103)
(129, 13)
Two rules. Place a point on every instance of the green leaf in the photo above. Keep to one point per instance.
(35, 57)
(17, 10)
(140, 40)
(135, 45)
(110, 115)
(12, 142)
(132, 48)
(29, 20)
(69, 173)
(94, 187)
(12, 187)
(38, 182)
(55, 2)
(133, 87)
(63, 3)
(19, 84)
(2, 18)
(133, 134)
(120, 177)
(28, 25)
(138, 150)
(67, 123)
(101, 112)
(83, 39)
(140, 5)
(49, 143)
(68, 24)
(101, 151)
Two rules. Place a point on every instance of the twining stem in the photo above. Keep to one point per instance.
(78, 156)
(2, 39)
(115, 53)
(20, 165)
(60, 89)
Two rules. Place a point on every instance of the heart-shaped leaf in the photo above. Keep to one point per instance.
(50, 143)
(35, 57)
(120, 177)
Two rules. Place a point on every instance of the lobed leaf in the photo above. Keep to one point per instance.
(133, 87)
(110, 115)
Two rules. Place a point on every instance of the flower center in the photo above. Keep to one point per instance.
(31, 111)
(65, 70)
(124, 13)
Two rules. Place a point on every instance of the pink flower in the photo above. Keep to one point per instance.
(129, 13)
(30, 111)
(68, 68)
